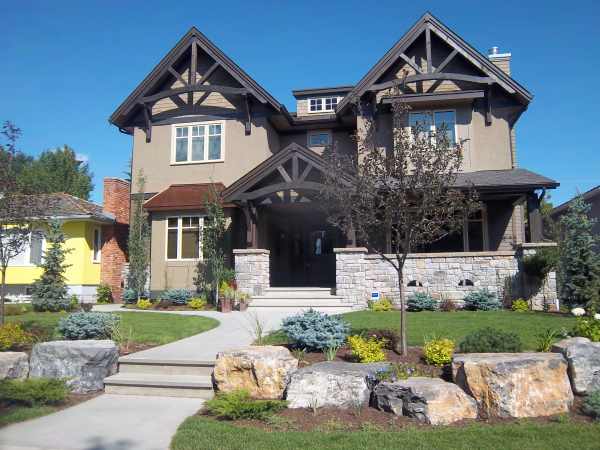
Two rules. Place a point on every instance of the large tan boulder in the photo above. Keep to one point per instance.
(515, 384)
(430, 400)
(262, 371)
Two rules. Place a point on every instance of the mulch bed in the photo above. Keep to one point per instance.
(371, 419)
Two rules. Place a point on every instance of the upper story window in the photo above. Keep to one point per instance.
(435, 122)
(97, 245)
(319, 139)
(198, 143)
(183, 237)
(323, 104)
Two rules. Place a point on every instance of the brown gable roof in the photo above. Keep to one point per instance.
(192, 36)
(587, 196)
(467, 51)
(506, 179)
(184, 197)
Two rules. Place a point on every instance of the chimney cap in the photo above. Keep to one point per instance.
(494, 52)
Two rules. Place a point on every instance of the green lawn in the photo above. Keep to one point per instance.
(198, 433)
(454, 325)
(147, 328)
(22, 413)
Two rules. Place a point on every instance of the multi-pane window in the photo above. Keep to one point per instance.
(323, 104)
(198, 143)
(434, 122)
(320, 139)
(183, 237)
(97, 245)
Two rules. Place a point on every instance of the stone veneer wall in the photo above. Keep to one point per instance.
(359, 273)
(252, 270)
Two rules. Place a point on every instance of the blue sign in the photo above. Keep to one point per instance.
(374, 296)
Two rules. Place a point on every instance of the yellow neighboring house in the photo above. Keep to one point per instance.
(82, 223)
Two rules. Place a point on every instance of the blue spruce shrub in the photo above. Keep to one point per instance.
(177, 296)
(90, 325)
(130, 296)
(314, 330)
(420, 301)
(482, 300)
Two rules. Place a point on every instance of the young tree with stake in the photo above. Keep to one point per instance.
(397, 200)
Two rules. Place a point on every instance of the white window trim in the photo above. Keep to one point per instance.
(313, 132)
(27, 253)
(322, 99)
(180, 235)
(189, 125)
(432, 112)
(99, 259)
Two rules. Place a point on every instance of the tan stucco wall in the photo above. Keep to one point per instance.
(343, 140)
(242, 153)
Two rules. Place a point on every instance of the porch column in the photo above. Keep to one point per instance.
(250, 214)
(252, 270)
(350, 282)
(535, 218)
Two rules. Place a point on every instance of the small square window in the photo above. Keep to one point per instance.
(319, 139)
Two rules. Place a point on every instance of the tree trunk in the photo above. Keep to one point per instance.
(2, 295)
(401, 346)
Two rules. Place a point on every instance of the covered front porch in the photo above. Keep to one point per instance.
(290, 244)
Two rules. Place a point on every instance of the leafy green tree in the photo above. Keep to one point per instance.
(50, 290)
(213, 268)
(56, 170)
(579, 263)
(139, 240)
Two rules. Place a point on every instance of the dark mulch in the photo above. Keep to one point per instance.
(170, 308)
(134, 347)
(371, 419)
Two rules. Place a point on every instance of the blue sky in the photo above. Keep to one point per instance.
(66, 65)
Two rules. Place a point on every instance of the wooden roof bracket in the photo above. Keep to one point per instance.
(248, 118)
(488, 105)
(148, 121)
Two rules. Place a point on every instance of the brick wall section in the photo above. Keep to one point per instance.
(252, 270)
(439, 274)
(114, 256)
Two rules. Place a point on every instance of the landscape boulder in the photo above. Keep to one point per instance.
(337, 384)
(583, 357)
(13, 365)
(429, 400)
(515, 384)
(84, 364)
(263, 371)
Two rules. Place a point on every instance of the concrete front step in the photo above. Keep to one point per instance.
(160, 385)
(267, 302)
(132, 364)
(306, 293)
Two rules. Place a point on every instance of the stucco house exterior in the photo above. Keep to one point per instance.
(201, 125)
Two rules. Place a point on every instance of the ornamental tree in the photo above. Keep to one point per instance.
(50, 290)
(579, 262)
(139, 241)
(397, 200)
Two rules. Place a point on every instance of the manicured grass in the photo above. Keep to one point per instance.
(454, 325)
(22, 413)
(198, 433)
(147, 328)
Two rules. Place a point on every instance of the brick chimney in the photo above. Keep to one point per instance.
(114, 254)
(502, 60)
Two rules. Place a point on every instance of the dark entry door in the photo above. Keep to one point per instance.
(301, 250)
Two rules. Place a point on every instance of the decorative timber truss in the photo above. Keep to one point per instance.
(293, 175)
(428, 55)
(190, 68)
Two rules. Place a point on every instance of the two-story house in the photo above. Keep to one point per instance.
(201, 125)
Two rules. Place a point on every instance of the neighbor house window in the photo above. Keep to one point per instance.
(97, 245)
(183, 237)
(319, 139)
(434, 122)
(324, 104)
(32, 251)
(198, 143)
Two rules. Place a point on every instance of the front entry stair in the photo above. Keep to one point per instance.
(317, 298)
(166, 378)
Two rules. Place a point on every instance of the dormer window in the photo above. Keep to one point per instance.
(322, 104)
(319, 139)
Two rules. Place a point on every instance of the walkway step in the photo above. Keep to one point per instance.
(159, 385)
(131, 364)
(262, 301)
(307, 293)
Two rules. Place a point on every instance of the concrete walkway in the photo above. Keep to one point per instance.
(115, 422)
(107, 422)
